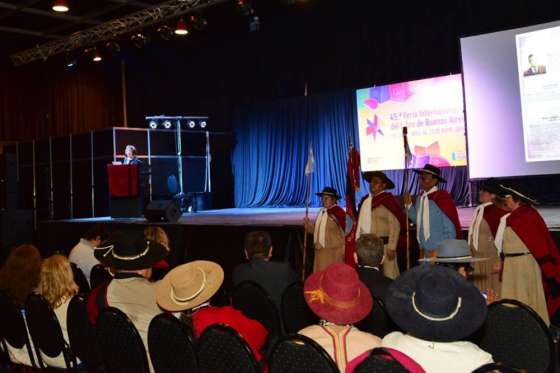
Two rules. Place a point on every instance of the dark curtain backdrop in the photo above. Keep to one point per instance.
(272, 149)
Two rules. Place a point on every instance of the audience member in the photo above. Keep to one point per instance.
(187, 291)
(82, 253)
(340, 299)
(369, 257)
(157, 234)
(274, 277)
(437, 308)
(57, 286)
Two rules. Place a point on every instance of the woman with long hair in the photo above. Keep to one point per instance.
(20, 274)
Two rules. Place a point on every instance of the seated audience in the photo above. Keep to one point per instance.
(274, 277)
(438, 309)
(187, 291)
(57, 286)
(82, 253)
(132, 258)
(19, 276)
(340, 299)
(369, 256)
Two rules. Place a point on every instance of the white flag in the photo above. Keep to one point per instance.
(310, 166)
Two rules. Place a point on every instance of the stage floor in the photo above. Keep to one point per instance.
(285, 217)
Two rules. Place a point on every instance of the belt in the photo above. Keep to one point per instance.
(515, 254)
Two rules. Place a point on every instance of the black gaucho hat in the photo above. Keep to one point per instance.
(506, 190)
(435, 303)
(368, 175)
(430, 169)
(130, 251)
(329, 191)
(490, 186)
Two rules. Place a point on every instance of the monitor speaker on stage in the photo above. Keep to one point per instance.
(162, 211)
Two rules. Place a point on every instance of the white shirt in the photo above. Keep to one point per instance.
(82, 256)
(439, 357)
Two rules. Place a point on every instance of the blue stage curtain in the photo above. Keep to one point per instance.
(272, 145)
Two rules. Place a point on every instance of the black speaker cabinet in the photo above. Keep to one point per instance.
(162, 211)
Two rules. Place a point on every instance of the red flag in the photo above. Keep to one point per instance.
(352, 185)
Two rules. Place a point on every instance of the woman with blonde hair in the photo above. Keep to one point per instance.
(57, 286)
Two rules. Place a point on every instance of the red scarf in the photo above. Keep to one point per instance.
(446, 204)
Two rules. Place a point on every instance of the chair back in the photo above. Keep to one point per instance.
(251, 299)
(380, 360)
(80, 279)
(378, 321)
(120, 345)
(171, 345)
(222, 350)
(12, 327)
(295, 312)
(45, 330)
(81, 334)
(495, 368)
(299, 354)
(98, 275)
(515, 335)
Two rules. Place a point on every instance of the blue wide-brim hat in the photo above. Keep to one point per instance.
(453, 251)
(435, 303)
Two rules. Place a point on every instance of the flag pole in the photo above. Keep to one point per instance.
(405, 187)
(307, 192)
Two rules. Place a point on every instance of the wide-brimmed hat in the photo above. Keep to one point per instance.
(130, 251)
(432, 170)
(490, 186)
(368, 175)
(505, 191)
(435, 303)
(329, 191)
(337, 295)
(189, 285)
(453, 251)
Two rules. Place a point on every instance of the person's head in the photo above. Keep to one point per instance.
(337, 295)
(429, 177)
(130, 151)
(532, 60)
(56, 283)
(369, 250)
(20, 274)
(158, 235)
(189, 286)
(329, 197)
(95, 235)
(488, 191)
(378, 181)
(258, 245)
(464, 269)
(513, 197)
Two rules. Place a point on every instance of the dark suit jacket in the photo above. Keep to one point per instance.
(376, 282)
(274, 277)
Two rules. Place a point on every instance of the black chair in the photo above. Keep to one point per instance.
(295, 312)
(515, 335)
(80, 279)
(251, 299)
(81, 334)
(45, 332)
(380, 361)
(222, 350)
(13, 327)
(98, 275)
(119, 343)
(299, 354)
(496, 367)
(171, 345)
(378, 321)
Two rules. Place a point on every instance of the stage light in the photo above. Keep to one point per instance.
(191, 124)
(71, 60)
(202, 124)
(139, 40)
(167, 124)
(153, 124)
(96, 56)
(181, 28)
(165, 32)
(60, 6)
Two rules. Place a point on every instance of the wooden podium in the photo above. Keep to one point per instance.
(126, 200)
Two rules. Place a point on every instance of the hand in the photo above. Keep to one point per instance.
(491, 296)
(306, 220)
(407, 198)
(497, 267)
(391, 254)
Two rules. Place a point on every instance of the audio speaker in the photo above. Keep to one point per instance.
(162, 211)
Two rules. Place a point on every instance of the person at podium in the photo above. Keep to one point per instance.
(130, 155)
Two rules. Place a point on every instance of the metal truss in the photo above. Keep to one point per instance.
(112, 30)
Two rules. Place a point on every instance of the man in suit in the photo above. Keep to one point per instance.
(370, 254)
(535, 68)
(274, 277)
(130, 155)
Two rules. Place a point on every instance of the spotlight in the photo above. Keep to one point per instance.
(71, 60)
(181, 28)
(165, 32)
(202, 124)
(96, 56)
(167, 124)
(153, 124)
(60, 6)
(191, 124)
(139, 40)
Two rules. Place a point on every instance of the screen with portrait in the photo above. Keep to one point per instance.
(432, 111)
